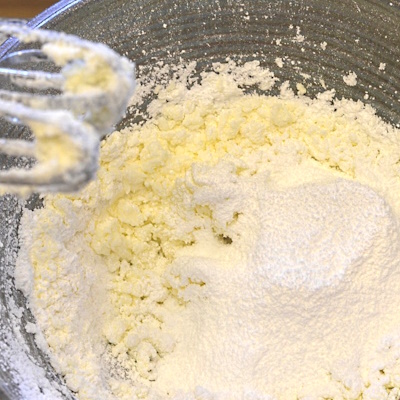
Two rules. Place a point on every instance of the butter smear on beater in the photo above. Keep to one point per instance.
(92, 90)
(234, 246)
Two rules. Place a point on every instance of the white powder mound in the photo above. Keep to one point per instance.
(236, 246)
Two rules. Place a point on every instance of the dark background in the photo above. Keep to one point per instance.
(23, 8)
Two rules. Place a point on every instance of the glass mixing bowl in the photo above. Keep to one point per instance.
(319, 41)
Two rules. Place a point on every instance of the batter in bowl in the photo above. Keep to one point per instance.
(234, 246)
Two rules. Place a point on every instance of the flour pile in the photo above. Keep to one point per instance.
(235, 246)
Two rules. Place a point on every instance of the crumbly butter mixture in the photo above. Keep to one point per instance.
(235, 246)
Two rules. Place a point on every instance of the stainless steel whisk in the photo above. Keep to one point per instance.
(92, 90)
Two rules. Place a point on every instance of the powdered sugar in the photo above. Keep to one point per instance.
(320, 217)
(350, 79)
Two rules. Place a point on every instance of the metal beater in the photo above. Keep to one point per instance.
(68, 111)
